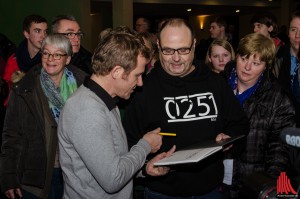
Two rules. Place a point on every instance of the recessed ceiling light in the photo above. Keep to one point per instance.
(237, 11)
(189, 10)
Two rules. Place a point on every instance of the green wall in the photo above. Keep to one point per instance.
(14, 11)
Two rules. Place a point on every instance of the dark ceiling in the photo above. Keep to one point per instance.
(178, 8)
(166, 10)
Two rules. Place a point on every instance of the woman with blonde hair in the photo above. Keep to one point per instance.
(219, 53)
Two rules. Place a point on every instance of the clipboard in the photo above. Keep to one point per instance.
(197, 152)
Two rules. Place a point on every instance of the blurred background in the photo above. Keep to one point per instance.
(96, 15)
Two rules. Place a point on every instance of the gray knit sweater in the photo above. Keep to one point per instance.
(93, 150)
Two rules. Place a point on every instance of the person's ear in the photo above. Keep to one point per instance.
(68, 60)
(270, 29)
(117, 72)
(26, 34)
(223, 28)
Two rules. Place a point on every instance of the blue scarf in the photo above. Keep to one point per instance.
(247, 93)
(295, 83)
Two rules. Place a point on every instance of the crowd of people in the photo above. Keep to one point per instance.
(78, 124)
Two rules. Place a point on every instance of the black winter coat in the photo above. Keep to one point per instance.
(82, 60)
(269, 110)
(30, 134)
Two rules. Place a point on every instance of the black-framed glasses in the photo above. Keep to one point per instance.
(71, 35)
(55, 56)
(171, 51)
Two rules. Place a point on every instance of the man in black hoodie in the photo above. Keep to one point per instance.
(183, 96)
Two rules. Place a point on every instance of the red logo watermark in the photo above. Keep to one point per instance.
(284, 187)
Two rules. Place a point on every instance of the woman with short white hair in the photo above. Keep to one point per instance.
(29, 159)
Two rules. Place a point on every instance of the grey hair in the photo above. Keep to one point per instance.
(58, 41)
(57, 19)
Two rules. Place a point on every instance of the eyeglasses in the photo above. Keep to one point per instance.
(71, 35)
(55, 56)
(180, 51)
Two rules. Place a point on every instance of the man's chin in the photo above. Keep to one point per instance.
(125, 97)
(76, 49)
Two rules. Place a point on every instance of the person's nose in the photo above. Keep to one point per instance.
(50, 58)
(43, 35)
(176, 56)
(255, 29)
(76, 38)
(298, 33)
(221, 58)
(248, 65)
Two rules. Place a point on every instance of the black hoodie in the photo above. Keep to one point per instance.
(197, 108)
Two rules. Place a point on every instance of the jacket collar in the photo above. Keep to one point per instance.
(101, 93)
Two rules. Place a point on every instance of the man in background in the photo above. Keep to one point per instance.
(217, 31)
(28, 52)
(288, 60)
(67, 25)
(142, 25)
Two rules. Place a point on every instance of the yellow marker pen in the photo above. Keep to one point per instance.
(167, 134)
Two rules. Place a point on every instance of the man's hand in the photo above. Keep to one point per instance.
(14, 193)
(154, 139)
(221, 137)
(159, 170)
